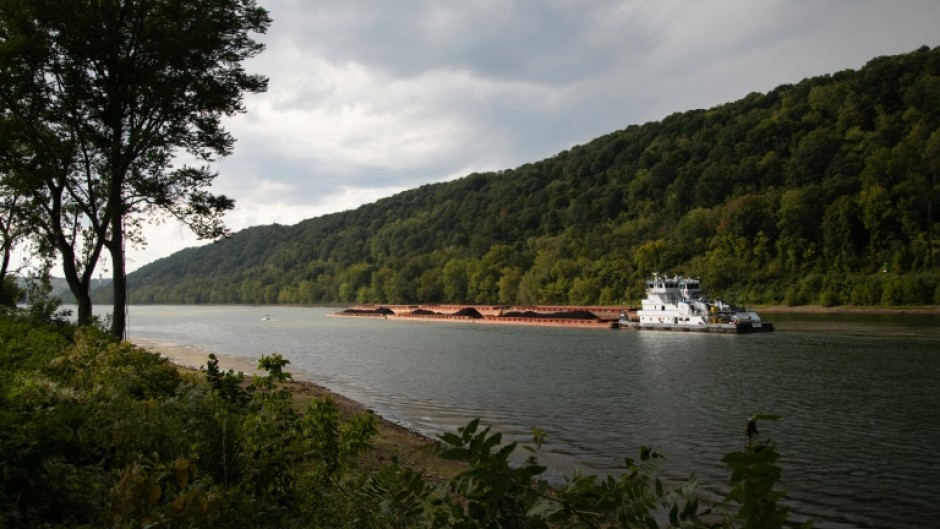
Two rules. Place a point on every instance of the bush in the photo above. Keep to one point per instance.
(97, 432)
(793, 297)
(867, 291)
(25, 346)
(918, 289)
(892, 293)
(829, 298)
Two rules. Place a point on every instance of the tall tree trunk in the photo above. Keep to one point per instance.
(78, 285)
(119, 279)
(9, 234)
(4, 266)
(83, 300)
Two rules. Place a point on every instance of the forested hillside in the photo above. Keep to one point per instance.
(825, 191)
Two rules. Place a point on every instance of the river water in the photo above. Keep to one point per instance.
(857, 394)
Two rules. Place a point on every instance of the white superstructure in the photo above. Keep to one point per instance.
(677, 303)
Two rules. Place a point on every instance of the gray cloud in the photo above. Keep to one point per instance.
(545, 41)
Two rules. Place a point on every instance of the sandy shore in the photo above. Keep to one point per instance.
(195, 357)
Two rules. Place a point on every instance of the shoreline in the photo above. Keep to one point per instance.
(809, 309)
(844, 309)
(394, 442)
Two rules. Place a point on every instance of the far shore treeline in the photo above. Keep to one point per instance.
(822, 192)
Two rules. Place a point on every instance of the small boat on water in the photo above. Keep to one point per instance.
(677, 304)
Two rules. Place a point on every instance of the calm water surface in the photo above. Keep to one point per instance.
(858, 394)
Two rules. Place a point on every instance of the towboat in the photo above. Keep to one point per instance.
(677, 304)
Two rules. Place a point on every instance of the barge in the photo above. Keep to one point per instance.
(677, 304)
(584, 317)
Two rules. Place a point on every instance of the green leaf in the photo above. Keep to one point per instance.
(456, 454)
(451, 439)
(530, 471)
(506, 450)
(544, 508)
(470, 428)
(735, 459)
(492, 441)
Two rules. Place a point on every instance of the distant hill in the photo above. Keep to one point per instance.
(825, 191)
(60, 288)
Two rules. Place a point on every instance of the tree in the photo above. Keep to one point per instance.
(41, 183)
(12, 227)
(12, 231)
(129, 85)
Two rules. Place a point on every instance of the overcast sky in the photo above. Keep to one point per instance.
(369, 98)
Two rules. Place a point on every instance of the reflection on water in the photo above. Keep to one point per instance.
(856, 393)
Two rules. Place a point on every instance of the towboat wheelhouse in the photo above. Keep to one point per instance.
(677, 303)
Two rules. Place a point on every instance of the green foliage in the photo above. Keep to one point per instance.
(491, 493)
(274, 365)
(228, 384)
(754, 473)
(494, 492)
(99, 433)
(98, 99)
(337, 445)
(43, 307)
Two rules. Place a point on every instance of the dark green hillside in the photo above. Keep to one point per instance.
(825, 191)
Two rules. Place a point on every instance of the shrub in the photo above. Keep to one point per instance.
(754, 473)
(829, 297)
(793, 297)
(891, 293)
(867, 290)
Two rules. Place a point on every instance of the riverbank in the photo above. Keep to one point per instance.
(844, 309)
(394, 442)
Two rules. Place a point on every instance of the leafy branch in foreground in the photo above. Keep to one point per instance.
(493, 492)
(754, 472)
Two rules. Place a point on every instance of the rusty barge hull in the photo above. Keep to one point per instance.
(583, 317)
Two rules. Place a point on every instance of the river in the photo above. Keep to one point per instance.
(857, 393)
